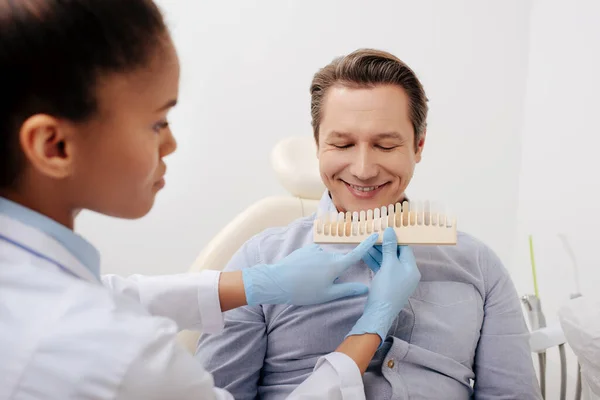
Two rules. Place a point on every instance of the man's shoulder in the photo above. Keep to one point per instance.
(275, 243)
(466, 245)
(482, 256)
(466, 242)
(469, 253)
(470, 260)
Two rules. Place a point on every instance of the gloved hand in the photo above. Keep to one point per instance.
(305, 277)
(374, 257)
(394, 282)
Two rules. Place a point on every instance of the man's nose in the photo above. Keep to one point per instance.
(363, 166)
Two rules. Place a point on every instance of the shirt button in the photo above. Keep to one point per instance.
(391, 364)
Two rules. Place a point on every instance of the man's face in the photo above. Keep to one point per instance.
(367, 152)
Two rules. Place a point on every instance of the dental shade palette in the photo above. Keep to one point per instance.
(415, 222)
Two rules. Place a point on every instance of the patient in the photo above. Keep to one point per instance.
(462, 333)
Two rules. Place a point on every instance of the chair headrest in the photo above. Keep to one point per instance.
(294, 160)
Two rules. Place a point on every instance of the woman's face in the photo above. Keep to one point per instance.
(118, 156)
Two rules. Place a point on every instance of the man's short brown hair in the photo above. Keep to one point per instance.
(366, 68)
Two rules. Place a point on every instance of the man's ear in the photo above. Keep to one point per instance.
(46, 143)
(419, 146)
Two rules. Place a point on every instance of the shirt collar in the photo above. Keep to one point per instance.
(75, 244)
(326, 204)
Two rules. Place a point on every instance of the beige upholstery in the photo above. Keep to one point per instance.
(295, 164)
(266, 213)
(294, 160)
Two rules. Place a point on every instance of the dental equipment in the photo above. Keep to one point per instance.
(414, 222)
(543, 337)
(571, 254)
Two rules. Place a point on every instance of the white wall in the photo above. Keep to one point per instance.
(559, 187)
(247, 67)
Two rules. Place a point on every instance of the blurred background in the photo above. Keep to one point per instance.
(512, 145)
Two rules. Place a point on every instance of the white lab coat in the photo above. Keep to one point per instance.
(580, 320)
(63, 335)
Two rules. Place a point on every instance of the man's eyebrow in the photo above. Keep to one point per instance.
(169, 104)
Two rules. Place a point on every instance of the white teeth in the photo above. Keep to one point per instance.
(364, 188)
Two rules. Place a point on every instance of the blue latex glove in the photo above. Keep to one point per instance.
(374, 257)
(395, 281)
(306, 276)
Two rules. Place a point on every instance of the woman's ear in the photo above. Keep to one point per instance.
(47, 146)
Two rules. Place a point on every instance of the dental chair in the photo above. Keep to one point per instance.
(295, 164)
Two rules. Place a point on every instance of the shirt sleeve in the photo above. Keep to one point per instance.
(335, 377)
(191, 300)
(503, 362)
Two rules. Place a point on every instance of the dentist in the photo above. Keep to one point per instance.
(86, 88)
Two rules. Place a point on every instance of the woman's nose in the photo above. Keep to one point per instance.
(168, 145)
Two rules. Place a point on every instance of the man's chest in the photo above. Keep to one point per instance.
(442, 317)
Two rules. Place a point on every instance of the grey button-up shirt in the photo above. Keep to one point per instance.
(462, 334)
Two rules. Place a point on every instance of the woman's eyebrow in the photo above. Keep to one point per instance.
(169, 104)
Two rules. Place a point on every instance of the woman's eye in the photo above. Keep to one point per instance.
(160, 126)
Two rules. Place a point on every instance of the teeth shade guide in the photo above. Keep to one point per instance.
(415, 223)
